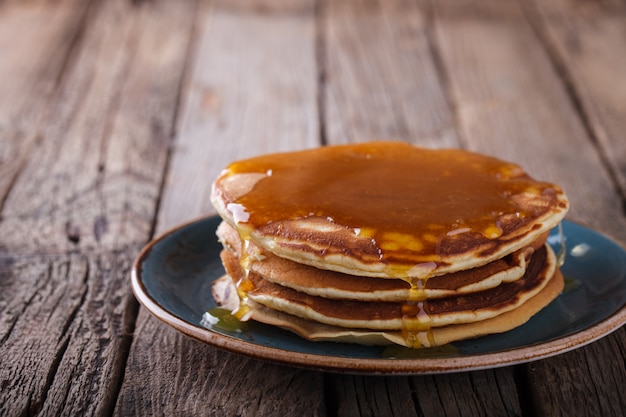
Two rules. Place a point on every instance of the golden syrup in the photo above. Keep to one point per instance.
(223, 319)
(416, 323)
(244, 285)
(406, 199)
(570, 284)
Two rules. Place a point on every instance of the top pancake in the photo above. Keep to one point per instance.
(386, 209)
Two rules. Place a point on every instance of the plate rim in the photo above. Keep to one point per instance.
(386, 366)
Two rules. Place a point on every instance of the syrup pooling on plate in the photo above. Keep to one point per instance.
(407, 200)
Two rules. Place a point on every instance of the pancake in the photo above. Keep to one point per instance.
(331, 284)
(384, 242)
(437, 336)
(386, 210)
(393, 315)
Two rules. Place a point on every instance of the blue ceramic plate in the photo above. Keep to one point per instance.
(172, 278)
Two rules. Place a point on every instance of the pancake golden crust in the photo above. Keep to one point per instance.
(386, 210)
(438, 336)
(331, 284)
(392, 315)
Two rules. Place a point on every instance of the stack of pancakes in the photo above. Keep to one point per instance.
(383, 242)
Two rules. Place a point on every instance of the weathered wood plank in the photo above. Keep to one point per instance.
(270, 7)
(35, 327)
(371, 396)
(62, 193)
(590, 380)
(174, 375)
(240, 99)
(511, 102)
(65, 333)
(456, 394)
(381, 79)
(587, 42)
(81, 208)
(470, 393)
(35, 42)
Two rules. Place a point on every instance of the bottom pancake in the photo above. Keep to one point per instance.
(436, 336)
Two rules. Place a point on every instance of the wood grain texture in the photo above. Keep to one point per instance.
(35, 42)
(482, 393)
(593, 385)
(34, 333)
(381, 80)
(582, 38)
(81, 208)
(479, 393)
(93, 162)
(587, 43)
(169, 374)
(371, 396)
(35, 39)
(248, 101)
(65, 334)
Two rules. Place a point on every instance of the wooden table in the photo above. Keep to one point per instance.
(115, 116)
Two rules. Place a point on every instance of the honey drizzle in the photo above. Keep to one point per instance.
(459, 193)
(416, 323)
(244, 285)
